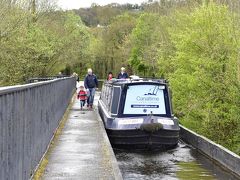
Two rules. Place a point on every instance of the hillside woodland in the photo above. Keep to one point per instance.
(194, 44)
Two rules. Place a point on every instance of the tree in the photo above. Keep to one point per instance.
(114, 41)
(146, 39)
(40, 47)
(205, 82)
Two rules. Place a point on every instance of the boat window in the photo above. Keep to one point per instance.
(115, 100)
(103, 95)
(144, 99)
(109, 97)
(106, 95)
(103, 92)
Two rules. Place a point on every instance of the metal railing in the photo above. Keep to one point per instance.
(29, 115)
(47, 78)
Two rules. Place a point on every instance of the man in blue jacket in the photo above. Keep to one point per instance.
(122, 74)
(90, 83)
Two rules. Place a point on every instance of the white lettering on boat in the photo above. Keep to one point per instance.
(166, 121)
(130, 121)
(139, 98)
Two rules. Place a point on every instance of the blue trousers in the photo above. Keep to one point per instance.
(82, 103)
(90, 95)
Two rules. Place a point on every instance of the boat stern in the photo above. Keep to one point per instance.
(144, 133)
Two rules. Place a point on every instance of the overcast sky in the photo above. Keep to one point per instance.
(76, 4)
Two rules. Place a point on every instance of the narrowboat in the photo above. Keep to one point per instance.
(137, 114)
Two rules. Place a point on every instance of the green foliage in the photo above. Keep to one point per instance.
(103, 15)
(205, 78)
(112, 45)
(41, 47)
(147, 38)
(197, 49)
(194, 44)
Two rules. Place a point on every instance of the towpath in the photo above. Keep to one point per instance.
(82, 150)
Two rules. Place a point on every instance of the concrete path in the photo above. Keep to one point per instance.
(83, 150)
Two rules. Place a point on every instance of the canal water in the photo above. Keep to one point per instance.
(181, 163)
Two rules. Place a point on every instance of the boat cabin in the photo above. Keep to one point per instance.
(126, 98)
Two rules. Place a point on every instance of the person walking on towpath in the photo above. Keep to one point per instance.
(90, 84)
(122, 74)
(82, 96)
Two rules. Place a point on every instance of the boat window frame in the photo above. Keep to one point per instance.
(102, 92)
(166, 100)
(106, 96)
(103, 96)
(119, 99)
(109, 98)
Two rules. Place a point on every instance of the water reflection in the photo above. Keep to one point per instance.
(193, 170)
(179, 163)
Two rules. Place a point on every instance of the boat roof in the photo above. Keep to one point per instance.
(138, 80)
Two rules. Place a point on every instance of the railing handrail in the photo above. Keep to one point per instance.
(10, 89)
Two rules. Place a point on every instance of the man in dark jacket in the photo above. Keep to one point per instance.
(122, 74)
(90, 83)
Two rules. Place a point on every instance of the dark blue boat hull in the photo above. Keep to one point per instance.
(138, 137)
